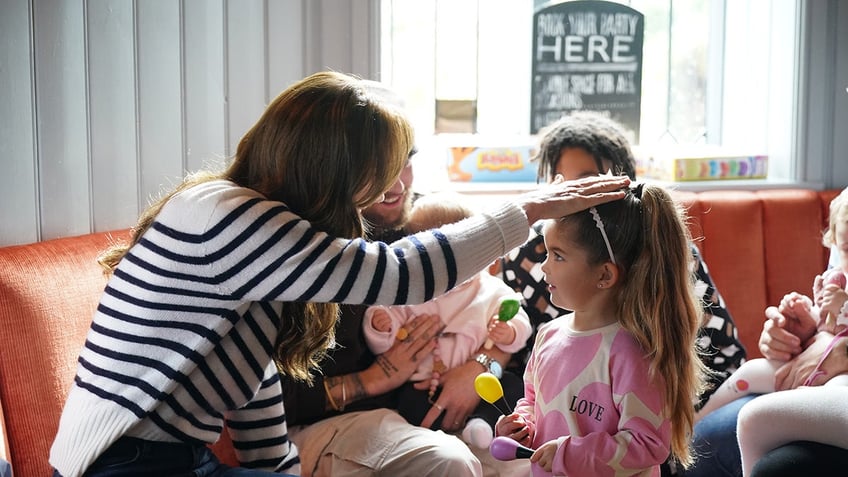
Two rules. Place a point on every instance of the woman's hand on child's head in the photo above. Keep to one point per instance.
(561, 197)
(501, 332)
(544, 455)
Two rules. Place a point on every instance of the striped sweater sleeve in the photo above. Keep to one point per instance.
(226, 240)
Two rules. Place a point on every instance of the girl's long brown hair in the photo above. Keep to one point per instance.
(657, 303)
(327, 147)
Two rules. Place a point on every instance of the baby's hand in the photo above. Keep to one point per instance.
(834, 276)
(832, 299)
(501, 332)
(544, 455)
(380, 321)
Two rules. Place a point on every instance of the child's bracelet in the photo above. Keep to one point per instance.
(330, 396)
(843, 312)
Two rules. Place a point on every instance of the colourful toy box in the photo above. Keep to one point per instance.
(481, 161)
(703, 165)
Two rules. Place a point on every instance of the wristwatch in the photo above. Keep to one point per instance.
(490, 364)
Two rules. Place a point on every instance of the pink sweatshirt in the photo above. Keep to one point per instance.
(591, 392)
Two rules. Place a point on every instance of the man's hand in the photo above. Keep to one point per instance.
(394, 367)
(458, 397)
(787, 327)
(776, 342)
(793, 374)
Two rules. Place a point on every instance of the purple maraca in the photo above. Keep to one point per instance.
(504, 448)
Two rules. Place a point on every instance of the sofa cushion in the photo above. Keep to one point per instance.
(47, 291)
(4, 441)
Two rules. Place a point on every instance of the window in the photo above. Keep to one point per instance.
(713, 72)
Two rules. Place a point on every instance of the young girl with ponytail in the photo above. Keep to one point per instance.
(609, 386)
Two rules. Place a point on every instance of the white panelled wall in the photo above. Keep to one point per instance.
(106, 103)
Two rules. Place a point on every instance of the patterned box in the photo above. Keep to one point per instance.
(477, 161)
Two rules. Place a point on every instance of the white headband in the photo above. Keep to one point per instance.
(600, 225)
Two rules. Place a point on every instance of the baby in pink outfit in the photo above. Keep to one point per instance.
(470, 316)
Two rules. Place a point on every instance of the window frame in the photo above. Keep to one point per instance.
(790, 146)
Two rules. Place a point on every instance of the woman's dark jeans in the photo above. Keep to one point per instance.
(129, 456)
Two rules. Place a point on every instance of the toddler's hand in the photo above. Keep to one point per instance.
(544, 455)
(515, 427)
(795, 303)
(834, 276)
(795, 314)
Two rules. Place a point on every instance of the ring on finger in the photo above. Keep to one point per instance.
(402, 334)
(438, 406)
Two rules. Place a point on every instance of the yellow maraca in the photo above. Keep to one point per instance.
(489, 388)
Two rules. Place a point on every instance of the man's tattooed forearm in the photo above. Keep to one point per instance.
(358, 391)
(386, 365)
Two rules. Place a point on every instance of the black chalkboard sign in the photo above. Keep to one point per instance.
(587, 55)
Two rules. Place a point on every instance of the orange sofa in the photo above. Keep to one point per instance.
(758, 246)
(48, 293)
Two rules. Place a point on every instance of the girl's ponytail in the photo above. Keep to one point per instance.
(658, 305)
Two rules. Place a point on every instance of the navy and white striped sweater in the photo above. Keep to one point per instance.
(182, 339)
